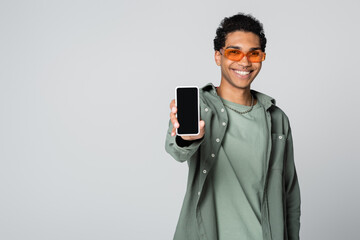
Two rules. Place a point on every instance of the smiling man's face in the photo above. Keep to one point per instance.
(239, 74)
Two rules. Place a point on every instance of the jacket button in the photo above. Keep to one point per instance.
(206, 109)
(222, 110)
(212, 155)
(280, 137)
(217, 140)
(199, 193)
(224, 124)
(204, 171)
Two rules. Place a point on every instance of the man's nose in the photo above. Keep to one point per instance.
(244, 62)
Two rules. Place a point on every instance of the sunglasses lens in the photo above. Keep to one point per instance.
(255, 56)
(234, 54)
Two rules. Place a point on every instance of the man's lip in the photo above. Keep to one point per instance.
(243, 70)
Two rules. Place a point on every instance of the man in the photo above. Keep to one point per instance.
(242, 181)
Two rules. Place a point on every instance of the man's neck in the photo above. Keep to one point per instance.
(237, 95)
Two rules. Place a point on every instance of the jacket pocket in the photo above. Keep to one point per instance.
(277, 151)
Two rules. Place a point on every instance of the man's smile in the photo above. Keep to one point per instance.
(242, 73)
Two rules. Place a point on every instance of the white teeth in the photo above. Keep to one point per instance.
(242, 72)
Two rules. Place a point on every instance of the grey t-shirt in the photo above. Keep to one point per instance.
(238, 175)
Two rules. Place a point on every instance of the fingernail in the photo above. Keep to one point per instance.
(173, 109)
(172, 134)
(176, 125)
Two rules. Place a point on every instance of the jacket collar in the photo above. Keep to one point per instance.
(264, 99)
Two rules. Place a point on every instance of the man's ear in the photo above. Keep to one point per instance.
(217, 58)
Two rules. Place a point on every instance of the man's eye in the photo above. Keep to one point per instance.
(254, 54)
(233, 52)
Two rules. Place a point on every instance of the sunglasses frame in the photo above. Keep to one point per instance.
(225, 53)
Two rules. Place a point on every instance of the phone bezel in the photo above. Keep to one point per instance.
(198, 110)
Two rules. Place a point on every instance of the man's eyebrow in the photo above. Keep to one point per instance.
(237, 47)
(256, 48)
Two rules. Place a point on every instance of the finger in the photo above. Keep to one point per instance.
(173, 132)
(202, 128)
(174, 120)
(202, 124)
(173, 106)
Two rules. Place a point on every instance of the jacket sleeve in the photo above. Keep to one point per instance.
(292, 192)
(180, 153)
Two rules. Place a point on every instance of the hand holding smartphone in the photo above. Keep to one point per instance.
(187, 99)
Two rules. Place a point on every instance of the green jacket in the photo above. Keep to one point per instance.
(280, 209)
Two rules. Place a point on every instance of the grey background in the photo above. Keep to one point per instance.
(85, 88)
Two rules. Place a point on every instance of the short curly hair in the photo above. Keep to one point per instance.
(239, 22)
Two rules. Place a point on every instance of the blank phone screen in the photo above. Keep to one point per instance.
(187, 110)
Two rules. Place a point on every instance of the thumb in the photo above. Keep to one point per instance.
(202, 128)
(202, 124)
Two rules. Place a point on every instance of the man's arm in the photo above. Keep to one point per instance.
(292, 189)
(181, 148)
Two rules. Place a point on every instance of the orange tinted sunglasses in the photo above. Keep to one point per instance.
(234, 54)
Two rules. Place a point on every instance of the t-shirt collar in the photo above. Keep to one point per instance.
(264, 99)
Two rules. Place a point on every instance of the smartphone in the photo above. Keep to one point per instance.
(188, 114)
